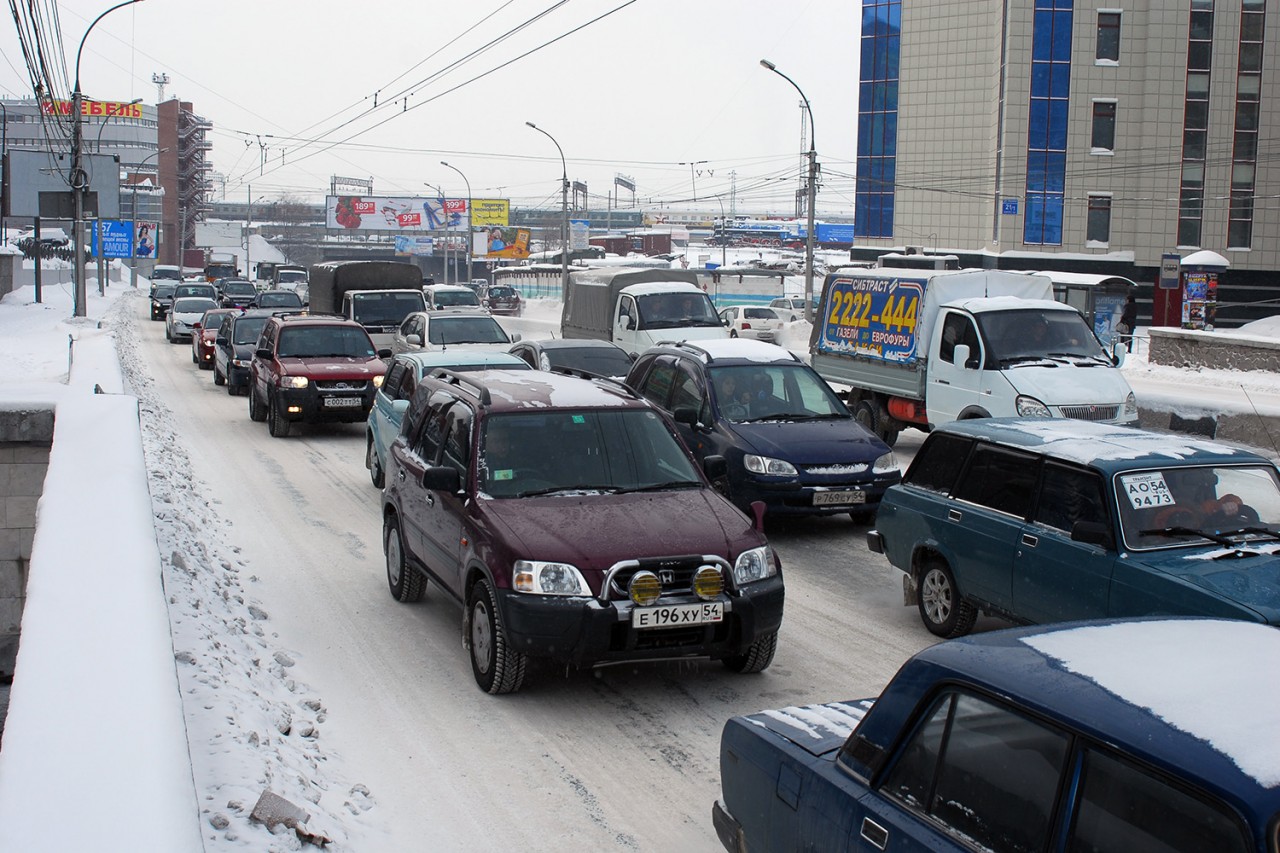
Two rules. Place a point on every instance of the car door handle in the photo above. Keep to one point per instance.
(1029, 540)
(954, 515)
(875, 834)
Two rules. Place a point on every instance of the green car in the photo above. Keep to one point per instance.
(1047, 520)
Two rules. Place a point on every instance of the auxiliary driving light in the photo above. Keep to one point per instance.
(644, 588)
(708, 583)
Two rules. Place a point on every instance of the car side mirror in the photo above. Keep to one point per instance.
(221, 340)
(630, 323)
(262, 352)
(515, 337)
(685, 415)
(385, 352)
(961, 355)
(715, 467)
(1118, 352)
(441, 479)
(413, 340)
(1091, 533)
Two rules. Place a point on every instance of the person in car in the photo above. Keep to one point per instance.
(733, 404)
(763, 401)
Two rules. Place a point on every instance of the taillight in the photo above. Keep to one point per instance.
(746, 326)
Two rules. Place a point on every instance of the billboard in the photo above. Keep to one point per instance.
(148, 240)
(394, 213)
(414, 245)
(508, 243)
(579, 234)
(114, 238)
(490, 211)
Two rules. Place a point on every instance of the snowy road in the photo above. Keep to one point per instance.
(622, 758)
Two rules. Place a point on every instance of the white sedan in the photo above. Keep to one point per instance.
(752, 321)
(183, 318)
(436, 330)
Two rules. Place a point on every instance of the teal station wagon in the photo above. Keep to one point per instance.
(1040, 521)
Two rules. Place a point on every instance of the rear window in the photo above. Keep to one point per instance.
(466, 330)
(501, 292)
(279, 300)
(759, 314)
(938, 463)
(455, 297)
(248, 329)
(239, 288)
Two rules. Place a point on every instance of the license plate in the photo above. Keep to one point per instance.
(832, 498)
(342, 402)
(677, 615)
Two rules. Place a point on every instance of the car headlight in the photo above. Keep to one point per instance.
(1131, 404)
(886, 464)
(754, 565)
(241, 362)
(377, 380)
(541, 578)
(1030, 407)
(293, 382)
(765, 465)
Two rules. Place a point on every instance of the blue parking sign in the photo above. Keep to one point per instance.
(116, 239)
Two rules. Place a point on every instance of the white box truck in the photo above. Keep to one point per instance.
(917, 348)
(637, 308)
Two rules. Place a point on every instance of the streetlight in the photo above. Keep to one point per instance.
(440, 194)
(79, 178)
(691, 178)
(564, 206)
(469, 247)
(133, 213)
(813, 189)
(4, 153)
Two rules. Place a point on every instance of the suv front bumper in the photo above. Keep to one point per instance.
(788, 497)
(583, 632)
(315, 405)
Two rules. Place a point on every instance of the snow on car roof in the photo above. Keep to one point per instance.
(536, 389)
(1208, 678)
(1087, 442)
(746, 349)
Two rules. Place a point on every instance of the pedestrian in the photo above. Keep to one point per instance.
(1128, 322)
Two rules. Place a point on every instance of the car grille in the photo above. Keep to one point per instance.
(340, 385)
(1090, 413)
(674, 573)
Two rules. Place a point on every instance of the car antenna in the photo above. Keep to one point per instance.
(1261, 420)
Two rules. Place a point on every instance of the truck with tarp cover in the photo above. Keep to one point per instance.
(378, 295)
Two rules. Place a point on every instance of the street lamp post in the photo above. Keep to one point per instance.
(693, 180)
(97, 146)
(79, 178)
(469, 242)
(440, 195)
(813, 189)
(564, 207)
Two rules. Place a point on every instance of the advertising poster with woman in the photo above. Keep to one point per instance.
(508, 242)
(146, 239)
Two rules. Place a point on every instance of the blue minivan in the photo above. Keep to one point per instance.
(788, 439)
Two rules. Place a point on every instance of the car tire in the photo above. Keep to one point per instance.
(195, 359)
(218, 378)
(276, 423)
(757, 657)
(944, 611)
(498, 668)
(868, 413)
(257, 411)
(376, 474)
(407, 585)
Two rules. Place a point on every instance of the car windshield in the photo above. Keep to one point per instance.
(581, 451)
(163, 291)
(676, 310)
(325, 342)
(770, 392)
(450, 298)
(602, 361)
(279, 300)
(385, 309)
(247, 330)
(1012, 336)
(239, 288)
(466, 330)
(290, 276)
(1181, 505)
(194, 305)
(159, 273)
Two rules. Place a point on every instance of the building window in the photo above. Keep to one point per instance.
(877, 119)
(1108, 47)
(1047, 122)
(1244, 154)
(1098, 232)
(1195, 123)
(1104, 126)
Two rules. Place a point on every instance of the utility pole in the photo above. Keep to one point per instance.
(813, 184)
(564, 207)
(469, 234)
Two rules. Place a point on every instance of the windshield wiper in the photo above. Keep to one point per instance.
(1188, 531)
(662, 487)
(1261, 531)
(1023, 359)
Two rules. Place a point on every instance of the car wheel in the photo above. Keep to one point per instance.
(757, 657)
(257, 412)
(944, 611)
(218, 378)
(194, 358)
(498, 668)
(376, 474)
(406, 584)
(867, 413)
(276, 424)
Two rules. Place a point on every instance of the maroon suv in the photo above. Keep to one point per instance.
(571, 523)
(313, 369)
(503, 299)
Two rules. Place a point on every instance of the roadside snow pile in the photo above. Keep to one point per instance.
(252, 726)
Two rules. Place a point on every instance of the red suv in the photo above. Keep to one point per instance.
(313, 369)
(502, 299)
(570, 522)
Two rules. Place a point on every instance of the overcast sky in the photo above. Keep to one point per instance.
(647, 86)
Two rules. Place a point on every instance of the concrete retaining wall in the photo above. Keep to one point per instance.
(25, 437)
(1191, 349)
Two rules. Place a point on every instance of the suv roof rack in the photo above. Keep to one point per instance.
(463, 382)
(706, 356)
